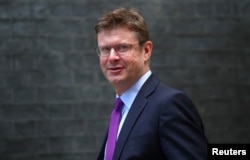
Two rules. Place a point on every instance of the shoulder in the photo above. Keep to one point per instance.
(153, 84)
(159, 92)
(166, 96)
(167, 92)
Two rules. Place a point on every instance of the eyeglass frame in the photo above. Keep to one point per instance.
(115, 46)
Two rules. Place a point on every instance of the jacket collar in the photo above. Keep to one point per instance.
(134, 113)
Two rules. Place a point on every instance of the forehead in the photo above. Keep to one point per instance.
(116, 35)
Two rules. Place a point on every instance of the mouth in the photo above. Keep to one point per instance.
(115, 69)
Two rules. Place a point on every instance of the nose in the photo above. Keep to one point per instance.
(113, 54)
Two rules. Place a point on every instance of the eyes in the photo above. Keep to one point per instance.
(119, 48)
(122, 48)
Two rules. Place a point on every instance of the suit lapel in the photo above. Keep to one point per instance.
(134, 113)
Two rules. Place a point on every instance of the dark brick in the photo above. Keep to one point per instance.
(84, 143)
(24, 95)
(80, 43)
(60, 79)
(61, 128)
(202, 26)
(26, 79)
(60, 10)
(5, 28)
(24, 28)
(61, 111)
(24, 61)
(17, 46)
(23, 146)
(61, 44)
(22, 11)
(65, 144)
(73, 27)
(55, 102)
(5, 63)
(74, 61)
(80, 77)
(39, 10)
(244, 76)
(7, 129)
(26, 129)
(62, 93)
(224, 9)
(62, 156)
(22, 112)
(53, 62)
(244, 8)
(5, 95)
(50, 27)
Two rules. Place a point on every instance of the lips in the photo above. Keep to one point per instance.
(115, 69)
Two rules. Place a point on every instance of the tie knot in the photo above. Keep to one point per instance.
(118, 104)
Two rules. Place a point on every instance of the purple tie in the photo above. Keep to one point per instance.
(113, 128)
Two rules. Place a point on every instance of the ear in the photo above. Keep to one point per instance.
(147, 49)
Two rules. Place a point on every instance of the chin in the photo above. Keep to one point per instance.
(115, 80)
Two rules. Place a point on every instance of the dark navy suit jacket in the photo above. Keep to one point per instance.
(162, 124)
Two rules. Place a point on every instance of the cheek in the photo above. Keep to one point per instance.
(137, 61)
(134, 65)
(130, 62)
(102, 61)
(103, 64)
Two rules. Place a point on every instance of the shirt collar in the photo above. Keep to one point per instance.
(128, 96)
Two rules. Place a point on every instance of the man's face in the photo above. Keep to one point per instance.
(122, 71)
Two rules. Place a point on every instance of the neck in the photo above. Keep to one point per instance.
(123, 87)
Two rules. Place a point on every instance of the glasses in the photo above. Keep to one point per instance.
(121, 48)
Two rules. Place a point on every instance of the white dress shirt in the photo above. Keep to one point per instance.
(128, 97)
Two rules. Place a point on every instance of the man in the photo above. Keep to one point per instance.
(157, 122)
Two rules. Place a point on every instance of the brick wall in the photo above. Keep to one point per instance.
(55, 102)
